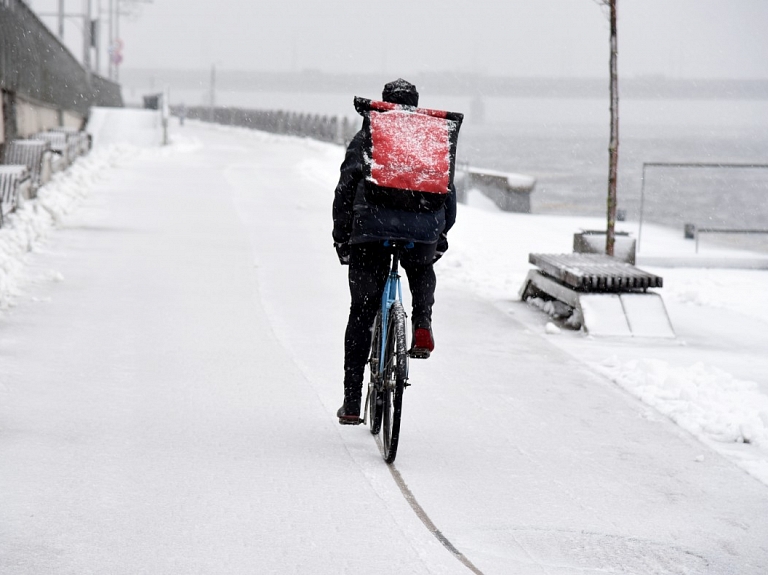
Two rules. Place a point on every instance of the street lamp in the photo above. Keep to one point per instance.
(115, 42)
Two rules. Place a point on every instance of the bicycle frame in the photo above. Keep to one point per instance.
(393, 291)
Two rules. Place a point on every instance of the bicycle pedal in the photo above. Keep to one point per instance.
(418, 353)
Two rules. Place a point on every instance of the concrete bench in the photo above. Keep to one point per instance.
(36, 155)
(510, 192)
(15, 182)
(600, 294)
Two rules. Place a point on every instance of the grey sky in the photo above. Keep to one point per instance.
(686, 38)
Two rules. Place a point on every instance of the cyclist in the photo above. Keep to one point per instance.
(359, 231)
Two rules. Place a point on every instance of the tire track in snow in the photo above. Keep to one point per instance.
(424, 518)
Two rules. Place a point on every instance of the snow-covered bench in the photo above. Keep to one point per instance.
(15, 182)
(61, 144)
(35, 154)
(80, 140)
(599, 293)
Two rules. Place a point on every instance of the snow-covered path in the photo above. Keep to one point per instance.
(169, 407)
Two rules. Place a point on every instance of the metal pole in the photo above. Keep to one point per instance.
(642, 207)
(97, 40)
(213, 90)
(165, 112)
(110, 66)
(117, 36)
(61, 19)
(87, 39)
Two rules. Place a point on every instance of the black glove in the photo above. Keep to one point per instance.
(442, 247)
(342, 250)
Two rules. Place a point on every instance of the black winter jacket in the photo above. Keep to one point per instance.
(356, 221)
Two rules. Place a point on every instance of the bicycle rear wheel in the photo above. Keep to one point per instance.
(395, 374)
(375, 400)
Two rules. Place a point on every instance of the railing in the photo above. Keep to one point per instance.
(725, 165)
(338, 130)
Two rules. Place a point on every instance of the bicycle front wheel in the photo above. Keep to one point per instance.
(395, 374)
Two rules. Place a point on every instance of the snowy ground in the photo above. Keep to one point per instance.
(171, 364)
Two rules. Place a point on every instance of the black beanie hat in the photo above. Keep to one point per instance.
(400, 92)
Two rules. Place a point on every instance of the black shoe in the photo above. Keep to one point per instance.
(349, 413)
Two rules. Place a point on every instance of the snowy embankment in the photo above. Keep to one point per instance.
(720, 315)
(704, 400)
(27, 228)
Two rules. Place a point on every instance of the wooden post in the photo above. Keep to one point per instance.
(613, 147)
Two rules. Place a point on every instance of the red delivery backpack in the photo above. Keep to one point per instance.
(409, 155)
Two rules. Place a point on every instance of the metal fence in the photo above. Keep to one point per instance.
(35, 65)
(324, 128)
(691, 228)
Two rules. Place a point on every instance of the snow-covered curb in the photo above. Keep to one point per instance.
(29, 226)
(706, 401)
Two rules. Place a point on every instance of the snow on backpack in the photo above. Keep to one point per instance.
(410, 154)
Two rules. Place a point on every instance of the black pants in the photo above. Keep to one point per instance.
(368, 269)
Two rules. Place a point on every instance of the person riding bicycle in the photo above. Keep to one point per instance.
(360, 230)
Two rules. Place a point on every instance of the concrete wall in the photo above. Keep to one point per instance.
(72, 120)
(34, 117)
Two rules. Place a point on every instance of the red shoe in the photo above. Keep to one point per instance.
(422, 344)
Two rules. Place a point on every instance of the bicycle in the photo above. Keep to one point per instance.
(388, 362)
